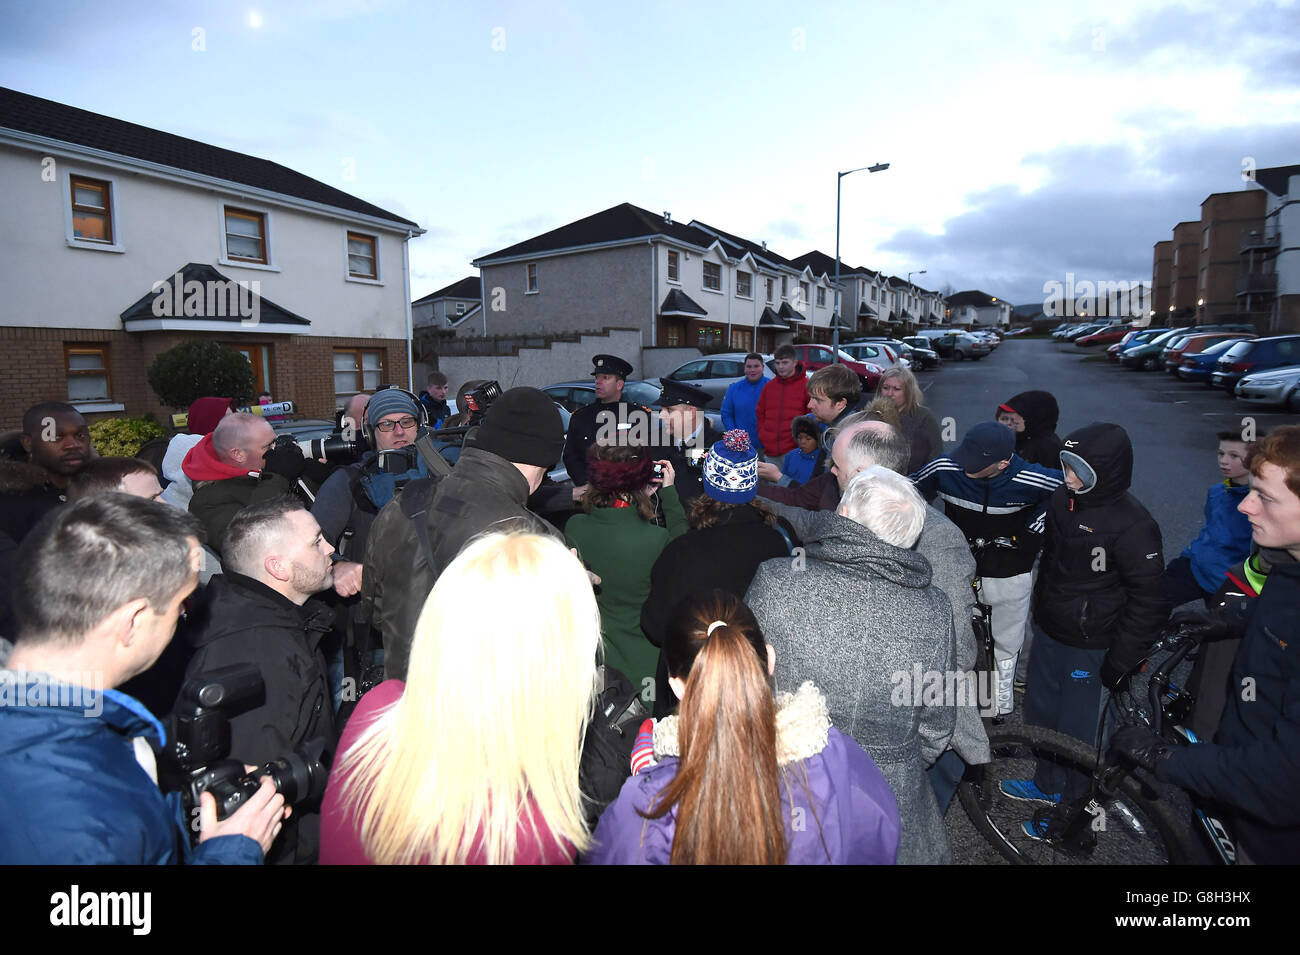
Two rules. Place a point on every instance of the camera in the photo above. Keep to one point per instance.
(329, 448)
(203, 744)
(481, 398)
(658, 470)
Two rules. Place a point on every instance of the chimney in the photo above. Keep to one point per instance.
(668, 217)
(765, 245)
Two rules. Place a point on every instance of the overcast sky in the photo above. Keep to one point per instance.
(1026, 140)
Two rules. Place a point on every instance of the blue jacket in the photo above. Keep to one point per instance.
(1224, 541)
(73, 793)
(801, 468)
(740, 408)
(1007, 508)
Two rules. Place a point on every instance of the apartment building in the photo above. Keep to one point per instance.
(1268, 286)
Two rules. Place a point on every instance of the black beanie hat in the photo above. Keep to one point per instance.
(522, 426)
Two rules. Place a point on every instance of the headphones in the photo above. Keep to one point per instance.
(422, 417)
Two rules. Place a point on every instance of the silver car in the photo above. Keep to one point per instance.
(1277, 386)
(713, 374)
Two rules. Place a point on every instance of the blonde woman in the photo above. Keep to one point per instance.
(899, 386)
(474, 759)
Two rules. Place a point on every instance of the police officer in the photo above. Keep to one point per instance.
(686, 434)
(610, 373)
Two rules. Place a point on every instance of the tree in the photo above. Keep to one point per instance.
(195, 369)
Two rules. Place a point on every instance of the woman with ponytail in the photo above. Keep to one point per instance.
(740, 776)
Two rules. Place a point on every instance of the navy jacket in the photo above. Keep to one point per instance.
(73, 793)
(1254, 764)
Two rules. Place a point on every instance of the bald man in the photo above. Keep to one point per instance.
(235, 467)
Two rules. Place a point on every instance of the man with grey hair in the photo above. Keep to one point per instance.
(885, 503)
(261, 611)
(881, 621)
(863, 442)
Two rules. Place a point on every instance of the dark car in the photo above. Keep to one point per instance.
(1198, 366)
(923, 356)
(1145, 356)
(572, 395)
(960, 346)
(1252, 355)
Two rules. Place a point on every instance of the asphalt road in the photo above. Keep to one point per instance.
(1172, 425)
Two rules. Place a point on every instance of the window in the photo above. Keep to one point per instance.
(530, 283)
(784, 287)
(672, 266)
(713, 276)
(727, 368)
(363, 261)
(87, 370)
(692, 370)
(769, 290)
(744, 284)
(92, 210)
(1205, 239)
(460, 308)
(709, 336)
(259, 357)
(873, 293)
(742, 339)
(672, 335)
(803, 291)
(356, 370)
(821, 296)
(246, 235)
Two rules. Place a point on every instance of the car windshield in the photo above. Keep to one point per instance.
(641, 393)
(1239, 349)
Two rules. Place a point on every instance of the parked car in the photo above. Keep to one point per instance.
(1105, 336)
(1172, 356)
(1198, 366)
(1254, 355)
(1145, 356)
(923, 354)
(885, 352)
(713, 374)
(819, 356)
(1279, 387)
(960, 346)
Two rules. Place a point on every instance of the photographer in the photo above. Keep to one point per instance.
(260, 611)
(99, 588)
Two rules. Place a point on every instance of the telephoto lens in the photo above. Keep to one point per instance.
(327, 448)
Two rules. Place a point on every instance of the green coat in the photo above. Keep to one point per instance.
(621, 548)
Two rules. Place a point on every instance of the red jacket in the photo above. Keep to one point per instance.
(782, 400)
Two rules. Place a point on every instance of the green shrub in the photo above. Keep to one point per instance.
(123, 437)
(198, 368)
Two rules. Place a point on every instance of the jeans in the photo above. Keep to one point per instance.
(944, 776)
(1181, 586)
(1065, 694)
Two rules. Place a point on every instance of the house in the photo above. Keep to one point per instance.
(134, 240)
(975, 309)
(448, 306)
(1268, 284)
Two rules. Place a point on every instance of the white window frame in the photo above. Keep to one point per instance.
(115, 221)
(268, 239)
(347, 268)
(739, 293)
(460, 309)
(674, 266)
(704, 271)
(531, 276)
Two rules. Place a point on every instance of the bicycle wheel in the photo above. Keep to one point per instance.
(1133, 827)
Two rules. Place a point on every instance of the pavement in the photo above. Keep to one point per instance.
(1172, 425)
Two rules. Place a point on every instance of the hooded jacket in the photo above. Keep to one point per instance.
(827, 781)
(1224, 540)
(879, 620)
(1038, 443)
(781, 401)
(74, 791)
(241, 620)
(1101, 578)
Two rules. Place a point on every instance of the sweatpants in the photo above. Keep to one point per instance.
(1009, 599)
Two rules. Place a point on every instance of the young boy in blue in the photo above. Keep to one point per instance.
(1224, 540)
(808, 459)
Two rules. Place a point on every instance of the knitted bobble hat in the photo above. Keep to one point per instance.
(731, 469)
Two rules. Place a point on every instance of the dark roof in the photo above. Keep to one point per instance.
(972, 297)
(865, 309)
(471, 287)
(1275, 179)
(43, 117)
(769, 319)
(787, 312)
(268, 312)
(677, 302)
(820, 262)
(737, 246)
(621, 222)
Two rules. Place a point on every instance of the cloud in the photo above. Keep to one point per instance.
(1097, 214)
(786, 229)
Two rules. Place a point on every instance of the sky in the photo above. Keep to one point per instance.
(1026, 141)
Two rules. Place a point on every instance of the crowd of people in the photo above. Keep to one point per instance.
(707, 647)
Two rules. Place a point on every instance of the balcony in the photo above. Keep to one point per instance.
(1267, 239)
(1257, 283)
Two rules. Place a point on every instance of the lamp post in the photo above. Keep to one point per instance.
(909, 280)
(835, 317)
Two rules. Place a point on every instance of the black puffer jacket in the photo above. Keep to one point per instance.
(1101, 579)
(1038, 443)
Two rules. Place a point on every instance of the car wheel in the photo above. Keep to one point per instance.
(1150, 363)
(1293, 401)
(959, 355)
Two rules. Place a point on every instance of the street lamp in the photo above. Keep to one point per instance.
(835, 317)
(909, 279)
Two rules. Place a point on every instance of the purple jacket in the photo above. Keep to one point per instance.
(843, 813)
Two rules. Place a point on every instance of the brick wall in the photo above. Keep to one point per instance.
(32, 367)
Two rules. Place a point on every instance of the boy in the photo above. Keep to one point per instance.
(808, 459)
(781, 401)
(1100, 601)
(1224, 540)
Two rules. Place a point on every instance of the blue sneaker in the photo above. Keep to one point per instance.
(1035, 828)
(1025, 790)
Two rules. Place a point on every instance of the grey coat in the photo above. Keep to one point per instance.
(952, 569)
(882, 618)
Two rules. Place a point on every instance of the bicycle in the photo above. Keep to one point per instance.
(1121, 817)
